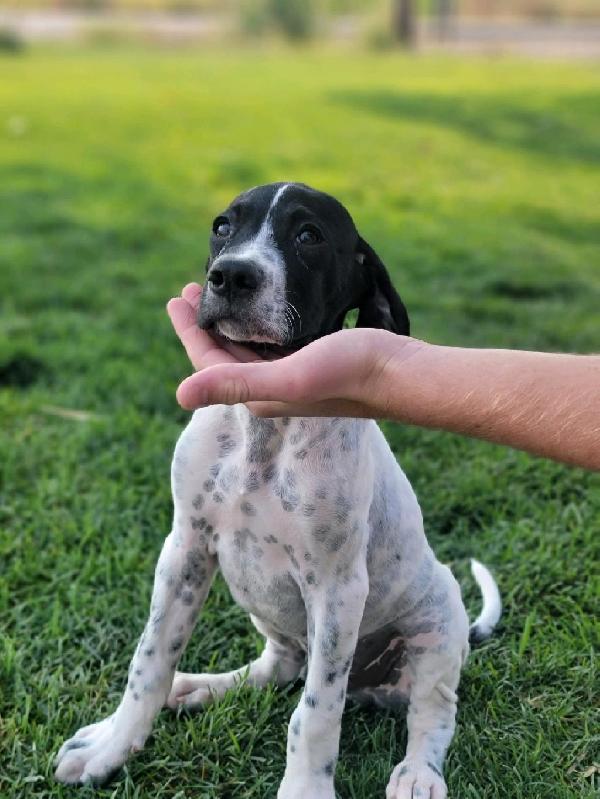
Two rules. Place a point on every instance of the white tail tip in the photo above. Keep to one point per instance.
(484, 624)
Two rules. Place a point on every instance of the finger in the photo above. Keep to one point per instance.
(269, 389)
(184, 310)
(182, 314)
(201, 348)
(230, 384)
(192, 293)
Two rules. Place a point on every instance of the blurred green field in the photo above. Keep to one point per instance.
(477, 182)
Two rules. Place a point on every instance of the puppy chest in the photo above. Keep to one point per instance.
(261, 583)
(271, 511)
(258, 548)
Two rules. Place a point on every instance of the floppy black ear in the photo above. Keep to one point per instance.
(380, 305)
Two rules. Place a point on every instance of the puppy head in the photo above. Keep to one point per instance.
(286, 265)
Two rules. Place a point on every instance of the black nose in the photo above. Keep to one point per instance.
(234, 279)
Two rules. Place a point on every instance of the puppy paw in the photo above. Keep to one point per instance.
(95, 752)
(190, 690)
(414, 779)
(304, 788)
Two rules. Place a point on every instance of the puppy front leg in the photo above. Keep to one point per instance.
(436, 651)
(430, 722)
(334, 615)
(182, 580)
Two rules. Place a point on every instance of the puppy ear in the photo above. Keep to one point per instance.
(380, 305)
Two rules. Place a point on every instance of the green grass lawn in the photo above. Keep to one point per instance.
(478, 183)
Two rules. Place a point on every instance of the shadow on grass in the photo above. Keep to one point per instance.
(494, 119)
(86, 263)
(73, 242)
(572, 229)
(20, 370)
(528, 291)
(45, 201)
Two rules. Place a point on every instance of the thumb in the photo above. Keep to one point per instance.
(229, 384)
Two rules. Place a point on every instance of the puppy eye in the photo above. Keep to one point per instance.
(309, 235)
(221, 227)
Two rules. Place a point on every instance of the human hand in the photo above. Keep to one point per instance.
(344, 374)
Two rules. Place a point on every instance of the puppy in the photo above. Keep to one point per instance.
(312, 522)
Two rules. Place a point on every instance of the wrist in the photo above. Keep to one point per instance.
(395, 386)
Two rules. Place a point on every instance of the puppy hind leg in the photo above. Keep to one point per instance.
(278, 663)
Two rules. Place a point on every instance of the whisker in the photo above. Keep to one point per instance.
(291, 328)
(293, 308)
(290, 325)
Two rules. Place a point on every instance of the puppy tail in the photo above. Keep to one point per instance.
(484, 624)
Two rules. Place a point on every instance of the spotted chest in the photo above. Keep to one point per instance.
(272, 543)
(273, 501)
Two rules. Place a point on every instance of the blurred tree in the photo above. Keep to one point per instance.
(403, 21)
(253, 18)
(444, 11)
(294, 17)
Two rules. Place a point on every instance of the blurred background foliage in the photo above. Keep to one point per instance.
(554, 26)
(524, 8)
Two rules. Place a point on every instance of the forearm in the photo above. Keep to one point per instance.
(543, 403)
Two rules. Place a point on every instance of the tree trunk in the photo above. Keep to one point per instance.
(403, 21)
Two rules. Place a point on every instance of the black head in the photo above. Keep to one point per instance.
(286, 265)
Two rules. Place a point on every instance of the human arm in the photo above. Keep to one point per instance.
(547, 404)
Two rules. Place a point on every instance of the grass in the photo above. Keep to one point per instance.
(477, 182)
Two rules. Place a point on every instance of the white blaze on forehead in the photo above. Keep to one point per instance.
(261, 247)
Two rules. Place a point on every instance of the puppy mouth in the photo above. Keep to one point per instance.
(245, 333)
(250, 327)
(255, 334)
(266, 347)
